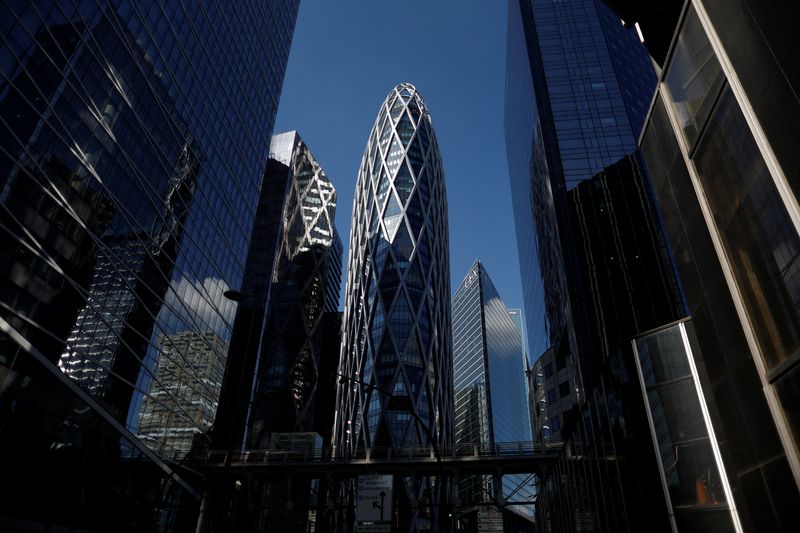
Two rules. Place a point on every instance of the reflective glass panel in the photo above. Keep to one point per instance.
(760, 240)
(694, 77)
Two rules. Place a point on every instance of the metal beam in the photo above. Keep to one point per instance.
(467, 460)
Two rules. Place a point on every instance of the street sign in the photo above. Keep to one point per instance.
(374, 528)
(374, 499)
(490, 520)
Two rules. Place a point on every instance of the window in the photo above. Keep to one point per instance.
(555, 423)
(694, 77)
(548, 370)
(561, 361)
(564, 389)
(551, 395)
(759, 237)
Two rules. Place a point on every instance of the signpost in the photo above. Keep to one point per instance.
(374, 503)
(490, 520)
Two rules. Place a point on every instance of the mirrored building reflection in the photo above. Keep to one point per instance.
(129, 178)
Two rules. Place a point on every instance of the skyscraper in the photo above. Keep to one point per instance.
(305, 285)
(489, 383)
(396, 349)
(131, 159)
(292, 282)
(721, 145)
(593, 260)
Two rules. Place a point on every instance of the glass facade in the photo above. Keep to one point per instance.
(282, 339)
(489, 383)
(131, 159)
(697, 487)
(305, 285)
(396, 318)
(523, 139)
(595, 267)
(722, 181)
(396, 349)
(172, 412)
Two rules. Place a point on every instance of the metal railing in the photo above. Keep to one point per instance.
(378, 453)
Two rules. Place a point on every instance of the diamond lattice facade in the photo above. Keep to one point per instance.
(397, 310)
(305, 285)
(396, 348)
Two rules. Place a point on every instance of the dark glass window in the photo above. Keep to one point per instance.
(694, 77)
(561, 361)
(760, 240)
(551, 395)
(564, 389)
(548, 370)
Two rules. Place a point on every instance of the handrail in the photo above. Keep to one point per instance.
(376, 453)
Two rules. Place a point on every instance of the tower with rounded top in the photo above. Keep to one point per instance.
(396, 364)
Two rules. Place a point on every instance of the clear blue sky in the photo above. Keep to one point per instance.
(348, 54)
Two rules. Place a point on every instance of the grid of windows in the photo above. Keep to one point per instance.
(488, 379)
(305, 284)
(131, 156)
(591, 254)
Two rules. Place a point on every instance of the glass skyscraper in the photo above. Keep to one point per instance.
(293, 279)
(489, 383)
(305, 285)
(131, 160)
(593, 259)
(396, 388)
(174, 409)
(720, 142)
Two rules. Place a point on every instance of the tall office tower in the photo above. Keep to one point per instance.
(594, 266)
(721, 145)
(489, 384)
(292, 282)
(305, 285)
(396, 349)
(130, 163)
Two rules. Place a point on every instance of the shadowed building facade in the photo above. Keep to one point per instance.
(305, 285)
(595, 268)
(396, 348)
(131, 156)
(721, 142)
(294, 270)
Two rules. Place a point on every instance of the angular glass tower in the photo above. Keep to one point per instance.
(396, 349)
(489, 381)
(594, 267)
(131, 159)
(305, 285)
